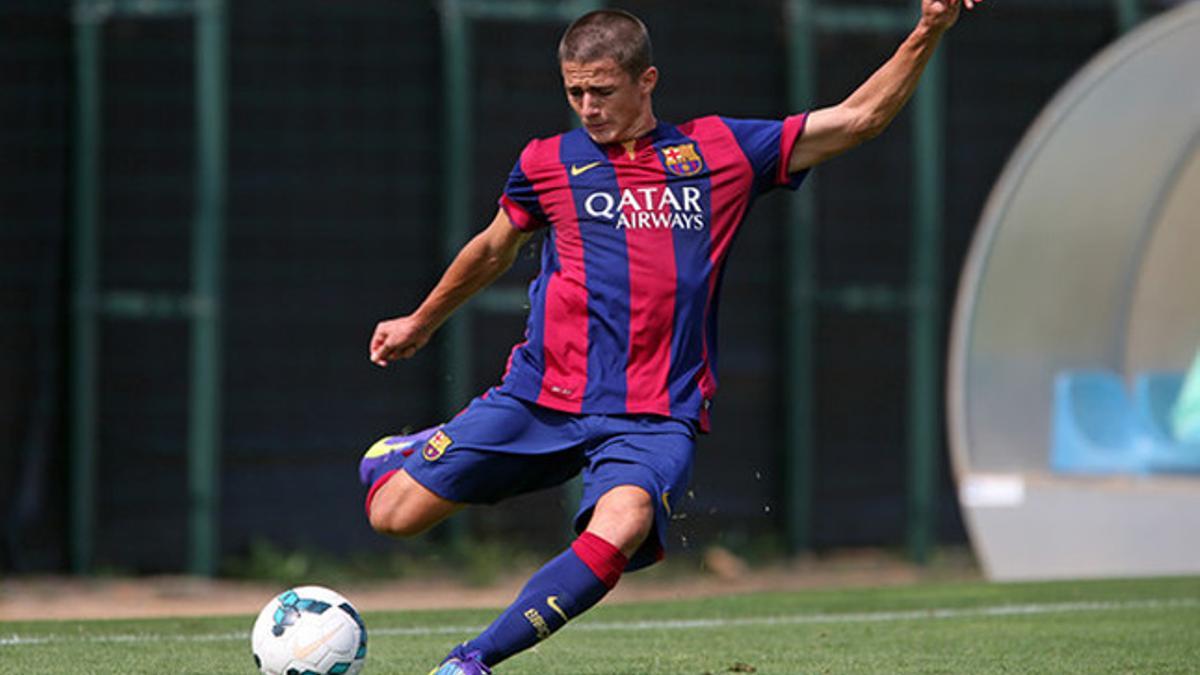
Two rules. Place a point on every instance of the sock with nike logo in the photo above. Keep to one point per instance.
(562, 589)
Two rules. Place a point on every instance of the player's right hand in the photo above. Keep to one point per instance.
(396, 339)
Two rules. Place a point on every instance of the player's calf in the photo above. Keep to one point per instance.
(561, 590)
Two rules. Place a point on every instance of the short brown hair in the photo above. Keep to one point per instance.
(608, 33)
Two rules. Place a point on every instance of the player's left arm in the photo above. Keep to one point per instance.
(828, 132)
(481, 261)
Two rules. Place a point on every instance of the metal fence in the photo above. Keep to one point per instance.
(263, 184)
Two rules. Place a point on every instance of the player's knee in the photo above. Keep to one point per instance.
(624, 518)
(392, 514)
(395, 521)
(404, 508)
(640, 516)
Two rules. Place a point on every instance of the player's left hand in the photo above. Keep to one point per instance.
(942, 14)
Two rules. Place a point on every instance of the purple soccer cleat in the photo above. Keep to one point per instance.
(462, 662)
(389, 453)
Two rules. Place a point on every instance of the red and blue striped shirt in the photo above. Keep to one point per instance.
(623, 315)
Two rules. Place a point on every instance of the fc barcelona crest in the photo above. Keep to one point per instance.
(682, 160)
(436, 446)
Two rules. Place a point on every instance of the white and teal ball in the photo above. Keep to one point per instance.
(309, 630)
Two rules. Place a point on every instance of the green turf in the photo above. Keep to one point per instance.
(1134, 626)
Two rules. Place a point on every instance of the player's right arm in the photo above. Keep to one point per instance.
(480, 262)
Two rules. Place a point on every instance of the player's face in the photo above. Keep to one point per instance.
(612, 106)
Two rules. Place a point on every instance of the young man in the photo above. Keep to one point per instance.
(617, 371)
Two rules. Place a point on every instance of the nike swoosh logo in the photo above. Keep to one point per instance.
(576, 170)
(382, 448)
(552, 600)
(303, 652)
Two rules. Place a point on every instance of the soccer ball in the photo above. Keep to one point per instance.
(309, 630)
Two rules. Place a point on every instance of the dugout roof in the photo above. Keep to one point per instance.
(1085, 257)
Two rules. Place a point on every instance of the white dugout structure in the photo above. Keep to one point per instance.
(1087, 257)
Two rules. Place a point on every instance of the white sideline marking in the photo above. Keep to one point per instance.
(15, 640)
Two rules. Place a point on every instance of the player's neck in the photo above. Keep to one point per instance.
(648, 124)
(645, 125)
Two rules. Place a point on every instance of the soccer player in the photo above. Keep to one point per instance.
(617, 371)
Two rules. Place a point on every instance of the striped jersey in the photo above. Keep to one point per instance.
(623, 314)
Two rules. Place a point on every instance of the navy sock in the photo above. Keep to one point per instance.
(562, 589)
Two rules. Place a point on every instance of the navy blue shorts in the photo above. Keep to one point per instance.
(502, 446)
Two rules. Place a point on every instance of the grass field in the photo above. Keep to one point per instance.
(1131, 626)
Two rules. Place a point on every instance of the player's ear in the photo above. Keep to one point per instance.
(647, 80)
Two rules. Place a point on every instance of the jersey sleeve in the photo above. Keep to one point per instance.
(520, 197)
(767, 144)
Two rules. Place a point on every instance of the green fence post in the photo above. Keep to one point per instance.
(924, 341)
(456, 193)
(456, 356)
(801, 284)
(85, 274)
(204, 416)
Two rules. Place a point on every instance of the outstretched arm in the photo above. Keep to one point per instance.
(828, 132)
(488, 255)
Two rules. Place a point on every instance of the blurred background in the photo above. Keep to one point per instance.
(206, 205)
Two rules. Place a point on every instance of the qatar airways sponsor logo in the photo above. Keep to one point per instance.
(648, 208)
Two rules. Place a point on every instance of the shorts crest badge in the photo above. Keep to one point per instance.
(682, 160)
(436, 446)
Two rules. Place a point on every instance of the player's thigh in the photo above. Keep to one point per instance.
(499, 447)
(470, 476)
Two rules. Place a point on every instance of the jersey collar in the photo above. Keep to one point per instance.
(631, 149)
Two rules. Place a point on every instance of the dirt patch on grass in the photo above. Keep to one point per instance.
(33, 598)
